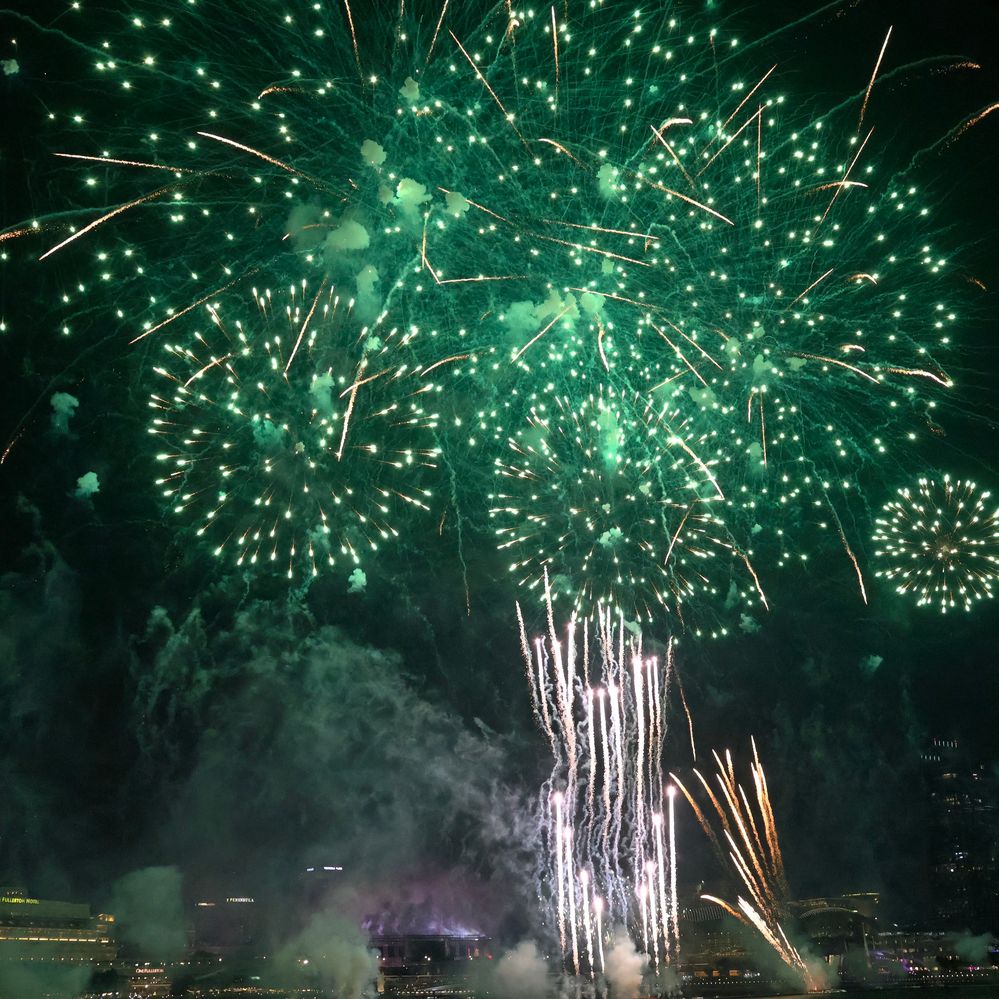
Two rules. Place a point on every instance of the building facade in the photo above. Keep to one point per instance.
(963, 840)
(33, 929)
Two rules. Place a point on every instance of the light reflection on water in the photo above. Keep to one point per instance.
(985, 990)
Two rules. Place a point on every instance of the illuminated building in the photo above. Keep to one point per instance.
(428, 963)
(712, 945)
(963, 841)
(957, 958)
(148, 980)
(716, 947)
(33, 929)
(835, 924)
(423, 953)
(226, 926)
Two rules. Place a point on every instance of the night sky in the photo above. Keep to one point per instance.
(161, 708)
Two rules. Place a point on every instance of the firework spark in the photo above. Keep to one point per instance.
(608, 815)
(746, 842)
(610, 498)
(939, 542)
(289, 433)
(566, 216)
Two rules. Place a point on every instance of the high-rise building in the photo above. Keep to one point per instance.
(963, 840)
(228, 925)
(33, 929)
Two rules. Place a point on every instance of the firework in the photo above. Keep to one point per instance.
(745, 840)
(608, 815)
(940, 543)
(289, 434)
(610, 498)
(560, 206)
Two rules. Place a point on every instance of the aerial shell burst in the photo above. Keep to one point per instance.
(290, 433)
(939, 543)
(572, 179)
(555, 203)
(609, 498)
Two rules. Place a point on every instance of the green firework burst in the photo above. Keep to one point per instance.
(290, 436)
(939, 543)
(610, 499)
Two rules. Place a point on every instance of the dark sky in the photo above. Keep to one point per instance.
(158, 708)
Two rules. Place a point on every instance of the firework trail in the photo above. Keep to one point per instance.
(745, 841)
(608, 820)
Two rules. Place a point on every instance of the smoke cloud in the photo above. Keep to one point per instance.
(149, 909)
(25, 980)
(971, 948)
(63, 407)
(332, 954)
(290, 742)
(87, 485)
(521, 973)
(624, 965)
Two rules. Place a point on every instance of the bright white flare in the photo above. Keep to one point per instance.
(611, 857)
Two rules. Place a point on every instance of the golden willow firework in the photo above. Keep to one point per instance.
(608, 817)
(291, 436)
(746, 842)
(610, 499)
(554, 202)
(939, 543)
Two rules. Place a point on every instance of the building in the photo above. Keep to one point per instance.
(963, 840)
(33, 929)
(912, 954)
(147, 981)
(836, 924)
(227, 926)
(713, 946)
(421, 964)
(428, 953)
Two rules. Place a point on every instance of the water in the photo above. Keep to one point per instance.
(984, 990)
